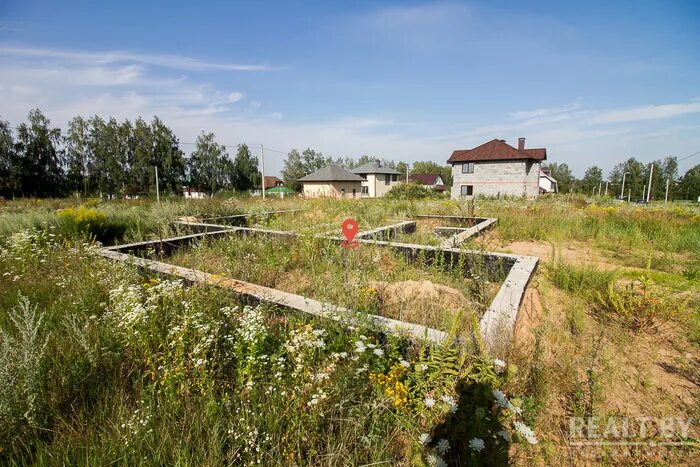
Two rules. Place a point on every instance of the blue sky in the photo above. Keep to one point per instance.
(593, 82)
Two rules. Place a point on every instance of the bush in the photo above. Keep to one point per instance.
(641, 306)
(411, 190)
(89, 222)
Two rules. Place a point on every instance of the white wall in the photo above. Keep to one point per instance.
(332, 189)
(376, 185)
(494, 178)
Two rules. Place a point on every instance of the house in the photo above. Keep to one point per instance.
(548, 184)
(377, 179)
(192, 192)
(332, 181)
(496, 169)
(273, 182)
(433, 181)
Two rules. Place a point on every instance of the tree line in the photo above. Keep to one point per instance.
(105, 157)
(636, 178)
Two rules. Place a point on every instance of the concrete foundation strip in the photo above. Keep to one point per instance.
(278, 297)
(496, 325)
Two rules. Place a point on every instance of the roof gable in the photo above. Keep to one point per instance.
(496, 150)
(331, 173)
(425, 179)
(374, 168)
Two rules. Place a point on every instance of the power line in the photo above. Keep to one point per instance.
(688, 157)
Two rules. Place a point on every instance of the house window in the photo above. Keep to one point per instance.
(467, 190)
(468, 168)
(353, 192)
(365, 190)
(394, 178)
(387, 179)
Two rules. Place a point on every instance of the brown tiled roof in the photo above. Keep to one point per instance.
(425, 179)
(496, 150)
(271, 181)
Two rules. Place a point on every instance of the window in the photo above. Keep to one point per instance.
(365, 190)
(394, 178)
(467, 190)
(353, 192)
(387, 179)
(468, 168)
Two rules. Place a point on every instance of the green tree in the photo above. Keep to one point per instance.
(293, 170)
(562, 174)
(667, 170)
(445, 171)
(8, 179)
(245, 169)
(592, 180)
(78, 156)
(207, 164)
(634, 180)
(38, 159)
(167, 156)
(689, 186)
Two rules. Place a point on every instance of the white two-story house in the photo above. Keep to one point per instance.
(496, 169)
(377, 179)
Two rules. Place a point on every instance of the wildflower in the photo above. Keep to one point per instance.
(360, 347)
(504, 434)
(501, 398)
(499, 365)
(378, 352)
(436, 461)
(405, 364)
(450, 402)
(477, 444)
(526, 432)
(425, 438)
(421, 367)
(443, 446)
(429, 402)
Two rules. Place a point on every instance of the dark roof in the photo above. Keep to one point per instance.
(425, 179)
(272, 181)
(331, 173)
(374, 167)
(496, 150)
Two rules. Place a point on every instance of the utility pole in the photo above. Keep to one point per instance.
(651, 173)
(622, 192)
(262, 166)
(668, 181)
(157, 189)
(606, 188)
(629, 194)
(644, 192)
(600, 186)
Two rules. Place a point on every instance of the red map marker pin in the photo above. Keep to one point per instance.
(349, 227)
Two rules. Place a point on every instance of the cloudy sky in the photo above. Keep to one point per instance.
(593, 82)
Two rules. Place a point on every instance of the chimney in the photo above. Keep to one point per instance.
(521, 144)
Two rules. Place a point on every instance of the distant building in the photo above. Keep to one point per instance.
(377, 179)
(273, 182)
(433, 181)
(193, 193)
(548, 184)
(496, 168)
(332, 181)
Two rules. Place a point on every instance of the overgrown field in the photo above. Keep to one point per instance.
(102, 363)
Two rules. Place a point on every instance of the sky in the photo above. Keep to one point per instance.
(593, 82)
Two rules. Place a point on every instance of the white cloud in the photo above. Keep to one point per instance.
(647, 112)
(177, 62)
(545, 112)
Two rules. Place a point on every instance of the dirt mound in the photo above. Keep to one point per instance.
(422, 302)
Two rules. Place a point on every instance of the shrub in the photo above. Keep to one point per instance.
(85, 221)
(411, 190)
(641, 306)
